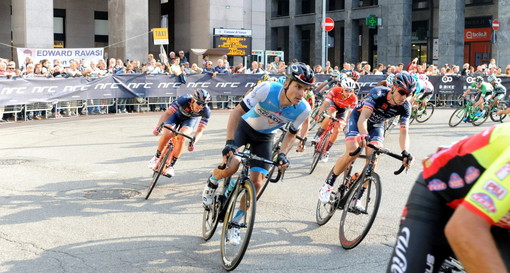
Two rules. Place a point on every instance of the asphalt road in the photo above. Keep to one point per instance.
(71, 198)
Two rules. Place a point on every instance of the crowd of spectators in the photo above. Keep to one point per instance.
(179, 66)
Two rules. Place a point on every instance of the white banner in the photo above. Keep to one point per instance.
(62, 54)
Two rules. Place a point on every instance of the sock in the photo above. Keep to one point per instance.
(213, 180)
(330, 180)
(329, 146)
(238, 217)
(158, 154)
(174, 159)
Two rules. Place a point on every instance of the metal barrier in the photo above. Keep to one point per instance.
(38, 107)
(101, 103)
(159, 101)
(13, 109)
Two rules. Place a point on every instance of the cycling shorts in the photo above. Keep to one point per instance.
(180, 120)
(425, 96)
(421, 244)
(375, 130)
(499, 96)
(341, 113)
(261, 145)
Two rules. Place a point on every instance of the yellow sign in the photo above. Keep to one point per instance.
(160, 36)
(238, 46)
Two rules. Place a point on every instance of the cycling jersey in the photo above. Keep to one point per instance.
(499, 89)
(264, 113)
(377, 101)
(474, 173)
(336, 96)
(182, 107)
(485, 88)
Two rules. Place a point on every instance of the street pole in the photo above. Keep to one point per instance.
(324, 52)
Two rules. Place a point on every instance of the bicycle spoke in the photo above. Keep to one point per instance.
(457, 116)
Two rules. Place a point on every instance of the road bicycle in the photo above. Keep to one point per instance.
(320, 148)
(469, 113)
(361, 188)
(319, 98)
(495, 108)
(421, 113)
(232, 195)
(276, 150)
(162, 162)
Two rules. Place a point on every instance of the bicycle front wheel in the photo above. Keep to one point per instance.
(157, 173)
(482, 118)
(211, 214)
(424, 114)
(493, 114)
(457, 116)
(325, 211)
(232, 250)
(360, 210)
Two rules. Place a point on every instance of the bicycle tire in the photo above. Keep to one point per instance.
(457, 116)
(157, 174)
(319, 151)
(244, 193)
(426, 114)
(324, 212)
(498, 118)
(482, 118)
(355, 225)
(211, 215)
(313, 114)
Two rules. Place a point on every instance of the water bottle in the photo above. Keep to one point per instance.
(230, 187)
(354, 177)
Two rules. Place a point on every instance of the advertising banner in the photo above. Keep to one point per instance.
(62, 54)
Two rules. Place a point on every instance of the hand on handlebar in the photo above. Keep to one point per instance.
(363, 140)
(407, 160)
(282, 161)
(229, 149)
(191, 145)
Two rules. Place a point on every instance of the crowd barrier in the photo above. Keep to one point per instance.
(148, 92)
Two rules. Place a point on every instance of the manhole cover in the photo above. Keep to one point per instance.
(111, 194)
(9, 162)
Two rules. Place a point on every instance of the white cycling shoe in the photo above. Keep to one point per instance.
(325, 192)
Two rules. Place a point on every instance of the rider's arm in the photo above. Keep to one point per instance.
(233, 121)
(470, 238)
(365, 114)
(169, 112)
(325, 104)
(403, 139)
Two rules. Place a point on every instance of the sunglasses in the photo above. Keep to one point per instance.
(403, 93)
(200, 103)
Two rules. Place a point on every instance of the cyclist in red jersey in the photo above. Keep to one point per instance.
(459, 206)
(340, 100)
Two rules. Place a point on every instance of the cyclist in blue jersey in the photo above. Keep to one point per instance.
(366, 123)
(184, 112)
(255, 120)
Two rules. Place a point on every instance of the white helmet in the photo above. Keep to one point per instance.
(349, 84)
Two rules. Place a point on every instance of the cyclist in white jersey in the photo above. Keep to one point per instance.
(255, 120)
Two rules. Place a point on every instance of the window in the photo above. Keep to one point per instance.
(420, 4)
(280, 8)
(367, 3)
(305, 6)
(335, 5)
(59, 23)
(478, 2)
(101, 27)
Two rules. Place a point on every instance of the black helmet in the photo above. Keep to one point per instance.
(201, 96)
(479, 79)
(300, 72)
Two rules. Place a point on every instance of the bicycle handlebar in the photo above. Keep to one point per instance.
(378, 150)
(177, 132)
(330, 117)
(251, 156)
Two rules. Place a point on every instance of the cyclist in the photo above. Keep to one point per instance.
(184, 112)
(499, 90)
(460, 195)
(268, 107)
(336, 78)
(507, 110)
(339, 102)
(424, 91)
(483, 93)
(366, 124)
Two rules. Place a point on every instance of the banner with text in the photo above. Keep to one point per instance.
(62, 54)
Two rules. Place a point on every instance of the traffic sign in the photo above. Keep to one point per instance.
(329, 24)
(495, 24)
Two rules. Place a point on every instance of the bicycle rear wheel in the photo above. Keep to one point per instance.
(482, 118)
(494, 110)
(157, 173)
(457, 116)
(425, 114)
(356, 222)
(244, 197)
(211, 214)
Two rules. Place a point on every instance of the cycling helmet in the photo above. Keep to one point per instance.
(335, 73)
(428, 87)
(301, 72)
(281, 80)
(492, 78)
(389, 79)
(201, 96)
(405, 82)
(349, 84)
(479, 79)
(354, 75)
(264, 77)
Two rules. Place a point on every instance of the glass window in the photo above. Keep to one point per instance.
(305, 6)
(280, 8)
(420, 4)
(335, 5)
(58, 25)
(478, 2)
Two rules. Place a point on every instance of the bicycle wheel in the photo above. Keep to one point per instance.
(157, 173)
(494, 110)
(355, 222)
(313, 114)
(212, 214)
(244, 197)
(320, 149)
(425, 114)
(502, 106)
(482, 118)
(324, 212)
(457, 116)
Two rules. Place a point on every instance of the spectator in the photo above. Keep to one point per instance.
(276, 62)
(239, 69)
(119, 67)
(379, 70)
(226, 62)
(205, 59)
(171, 56)
(182, 58)
(318, 69)
(465, 70)
(195, 69)
(186, 68)
(45, 67)
(507, 71)
(254, 69)
(136, 66)
(282, 67)
(220, 67)
(328, 69)
(209, 69)
(111, 65)
(270, 69)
